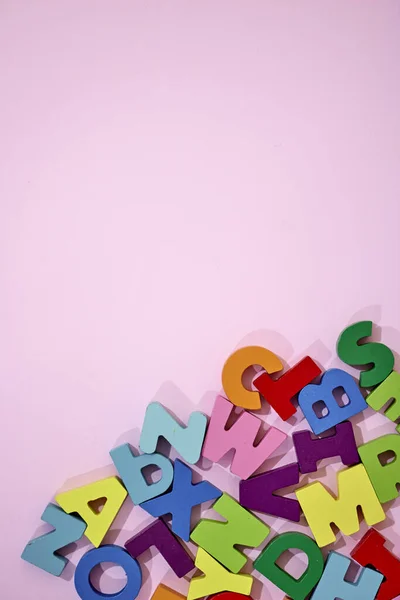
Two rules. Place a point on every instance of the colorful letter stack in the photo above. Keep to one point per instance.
(366, 482)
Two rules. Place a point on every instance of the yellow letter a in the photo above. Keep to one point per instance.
(77, 501)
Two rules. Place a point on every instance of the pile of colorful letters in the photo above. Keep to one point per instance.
(367, 482)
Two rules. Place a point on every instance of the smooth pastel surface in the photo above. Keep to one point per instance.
(321, 508)
(234, 367)
(387, 390)
(181, 500)
(157, 534)
(42, 551)
(164, 593)
(354, 353)
(310, 451)
(258, 493)
(332, 584)
(216, 578)
(297, 588)
(130, 467)
(280, 392)
(334, 379)
(187, 440)
(384, 477)
(77, 501)
(371, 551)
(179, 179)
(241, 437)
(107, 554)
(220, 539)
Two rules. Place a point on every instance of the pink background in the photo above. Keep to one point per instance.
(179, 178)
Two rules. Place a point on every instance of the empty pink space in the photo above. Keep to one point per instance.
(177, 179)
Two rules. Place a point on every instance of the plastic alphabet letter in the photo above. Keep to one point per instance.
(41, 550)
(309, 451)
(216, 579)
(384, 478)
(219, 539)
(234, 368)
(230, 596)
(279, 392)
(164, 593)
(240, 437)
(387, 390)
(371, 550)
(180, 501)
(258, 493)
(321, 509)
(112, 554)
(297, 589)
(77, 501)
(333, 585)
(130, 469)
(313, 393)
(187, 441)
(157, 534)
(352, 353)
